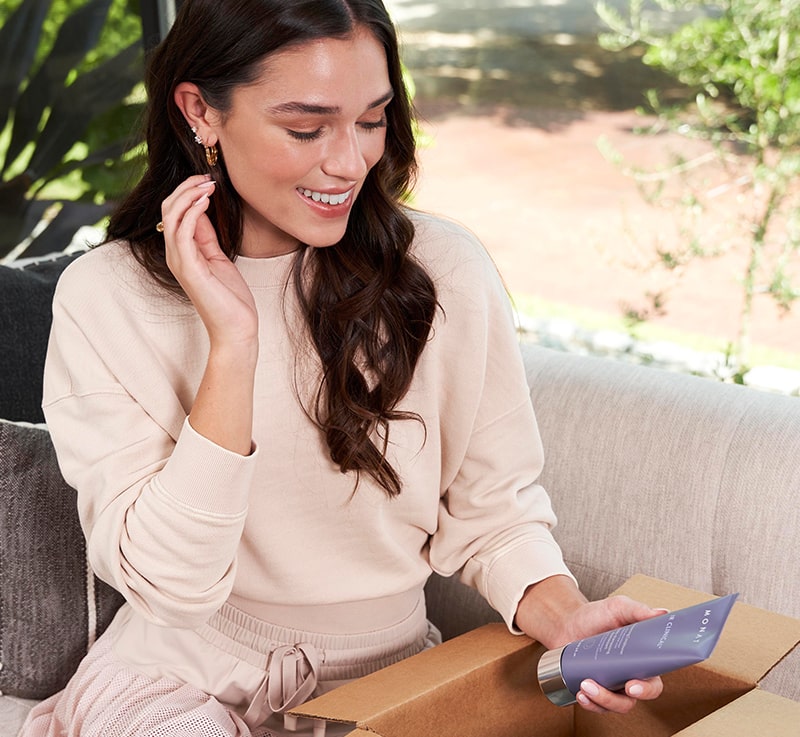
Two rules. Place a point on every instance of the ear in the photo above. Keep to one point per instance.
(197, 112)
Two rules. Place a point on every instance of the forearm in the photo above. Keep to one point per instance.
(223, 408)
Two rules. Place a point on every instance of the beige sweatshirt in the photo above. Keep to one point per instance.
(177, 523)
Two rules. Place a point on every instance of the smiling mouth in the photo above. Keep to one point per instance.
(326, 199)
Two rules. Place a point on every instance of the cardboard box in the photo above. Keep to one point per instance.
(483, 684)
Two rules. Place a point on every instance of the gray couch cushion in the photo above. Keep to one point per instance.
(51, 607)
(26, 295)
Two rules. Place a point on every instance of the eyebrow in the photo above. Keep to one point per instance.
(304, 108)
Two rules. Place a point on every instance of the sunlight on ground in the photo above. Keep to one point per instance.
(760, 355)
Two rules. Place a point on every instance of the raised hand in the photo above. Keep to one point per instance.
(223, 406)
(211, 281)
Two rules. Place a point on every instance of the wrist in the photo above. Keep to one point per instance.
(546, 608)
(223, 405)
(240, 355)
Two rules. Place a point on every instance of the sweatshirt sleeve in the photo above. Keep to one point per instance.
(495, 520)
(162, 507)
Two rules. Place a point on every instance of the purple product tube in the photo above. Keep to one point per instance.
(640, 650)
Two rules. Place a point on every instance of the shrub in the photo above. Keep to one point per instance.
(740, 62)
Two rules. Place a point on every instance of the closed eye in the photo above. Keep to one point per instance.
(305, 135)
(374, 125)
(315, 134)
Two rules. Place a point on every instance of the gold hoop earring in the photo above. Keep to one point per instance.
(211, 155)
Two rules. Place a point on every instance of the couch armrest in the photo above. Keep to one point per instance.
(12, 714)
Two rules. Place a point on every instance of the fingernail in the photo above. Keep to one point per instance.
(636, 690)
(204, 185)
(582, 699)
(199, 200)
(590, 688)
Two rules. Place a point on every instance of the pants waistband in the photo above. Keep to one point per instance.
(343, 655)
(295, 661)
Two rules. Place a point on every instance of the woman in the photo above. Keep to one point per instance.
(257, 388)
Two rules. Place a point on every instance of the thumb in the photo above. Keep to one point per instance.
(629, 610)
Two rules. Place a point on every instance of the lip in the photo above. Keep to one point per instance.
(326, 209)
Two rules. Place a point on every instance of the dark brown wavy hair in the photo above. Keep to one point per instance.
(368, 305)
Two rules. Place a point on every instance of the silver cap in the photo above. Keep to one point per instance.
(551, 680)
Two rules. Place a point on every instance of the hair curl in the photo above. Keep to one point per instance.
(368, 305)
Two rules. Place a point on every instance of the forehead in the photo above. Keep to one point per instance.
(326, 71)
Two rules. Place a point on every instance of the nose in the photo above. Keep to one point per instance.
(344, 158)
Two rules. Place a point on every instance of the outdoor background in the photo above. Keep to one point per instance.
(529, 137)
(515, 96)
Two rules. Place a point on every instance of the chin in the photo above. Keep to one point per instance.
(324, 240)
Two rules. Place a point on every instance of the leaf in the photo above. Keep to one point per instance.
(19, 39)
(112, 152)
(18, 215)
(60, 232)
(77, 36)
(90, 95)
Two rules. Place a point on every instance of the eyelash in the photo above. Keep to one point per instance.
(302, 136)
(314, 135)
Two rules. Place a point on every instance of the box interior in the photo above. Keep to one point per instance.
(484, 682)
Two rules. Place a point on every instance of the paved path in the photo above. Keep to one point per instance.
(514, 156)
(530, 18)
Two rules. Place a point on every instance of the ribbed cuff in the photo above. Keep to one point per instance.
(205, 476)
(507, 579)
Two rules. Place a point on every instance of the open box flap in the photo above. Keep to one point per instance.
(483, 680)
(362, 700)
(755, 713)
(753, 639)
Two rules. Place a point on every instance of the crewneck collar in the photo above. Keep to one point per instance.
(272, 271)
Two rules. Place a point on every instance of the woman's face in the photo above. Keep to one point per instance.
(299, 142)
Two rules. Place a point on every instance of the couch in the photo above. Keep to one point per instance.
(653, 472)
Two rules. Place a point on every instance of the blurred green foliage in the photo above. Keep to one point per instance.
(740, 62)
(123, 25)
(71, 73)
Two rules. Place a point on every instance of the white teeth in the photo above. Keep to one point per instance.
(327, 199)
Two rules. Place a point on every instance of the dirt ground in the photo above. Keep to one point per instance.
(565, 225)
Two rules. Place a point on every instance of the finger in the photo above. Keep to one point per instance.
(593, 697)
(174, 207)
(627, 611)
(186, 212)
(194, 202)
(198, 227)
(186, 185)
(645, 690)
(194, 241)
(204, 234)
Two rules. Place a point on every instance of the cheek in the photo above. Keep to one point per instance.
(374, 149)
(273, 165)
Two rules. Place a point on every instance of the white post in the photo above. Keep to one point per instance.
(166, 16)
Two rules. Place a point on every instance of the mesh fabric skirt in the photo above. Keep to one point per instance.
(244, 673)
